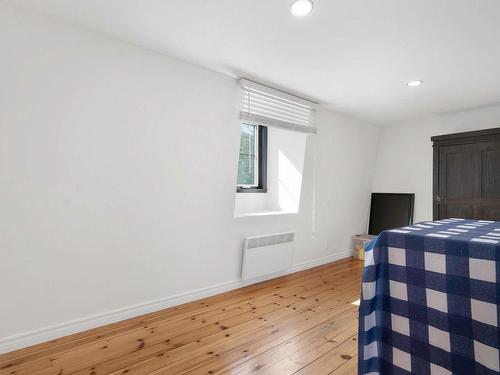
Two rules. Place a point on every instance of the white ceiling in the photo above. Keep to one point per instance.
(354, 56)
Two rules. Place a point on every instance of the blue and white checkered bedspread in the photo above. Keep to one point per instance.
(430, 300)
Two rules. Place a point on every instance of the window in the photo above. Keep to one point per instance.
(252, 165)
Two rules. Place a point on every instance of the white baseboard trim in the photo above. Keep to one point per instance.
(23, 340)
(320, 261)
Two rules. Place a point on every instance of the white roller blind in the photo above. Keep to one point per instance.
(263, 105)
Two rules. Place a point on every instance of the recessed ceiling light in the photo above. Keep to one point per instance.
(414, 83)
(301, 8)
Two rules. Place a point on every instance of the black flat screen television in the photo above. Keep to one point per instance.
(389, 211)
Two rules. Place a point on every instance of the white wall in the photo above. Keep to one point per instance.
(117, 177)
(404, 160)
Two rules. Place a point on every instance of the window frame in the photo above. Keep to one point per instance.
(256, 158)
(260, 162)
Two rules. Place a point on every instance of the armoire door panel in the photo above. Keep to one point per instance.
(490, 173)
(459, 170)
(459, 211)
(489, 212)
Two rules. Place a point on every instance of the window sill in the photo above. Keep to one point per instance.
(263, 213)
(250, 190)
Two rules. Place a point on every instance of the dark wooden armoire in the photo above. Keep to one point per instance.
(466, 176)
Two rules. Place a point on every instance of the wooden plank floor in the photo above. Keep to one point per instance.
(303, 323)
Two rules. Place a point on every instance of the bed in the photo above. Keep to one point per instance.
(429, 301)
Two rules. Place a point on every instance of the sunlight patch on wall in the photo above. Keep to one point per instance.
(290, 182)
